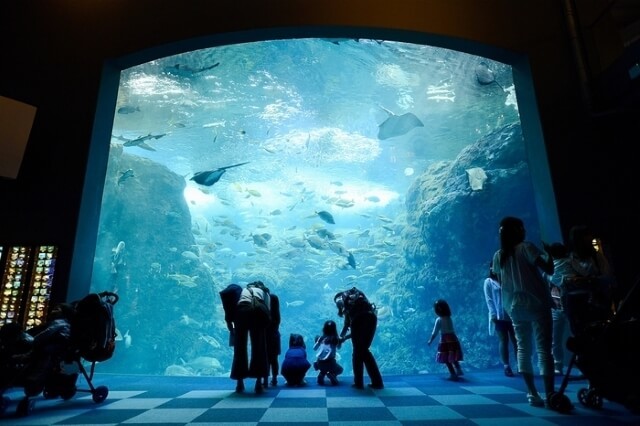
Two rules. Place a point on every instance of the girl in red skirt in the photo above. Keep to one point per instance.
(449, 349)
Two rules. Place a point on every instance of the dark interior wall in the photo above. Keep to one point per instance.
(53, 53)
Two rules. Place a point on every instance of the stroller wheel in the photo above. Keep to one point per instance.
(49, 394)
(25, 406)
(4, 403)
(560, 402)
(583, 396)
(594, 399)
(33, 388)
(100, 394)
(68, 393)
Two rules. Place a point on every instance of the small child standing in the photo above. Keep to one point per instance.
(449, 349)
(295, 364)
(326, 347)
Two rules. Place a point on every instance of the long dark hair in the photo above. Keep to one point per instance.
(330, 333)
(441, 308)
(512, 233)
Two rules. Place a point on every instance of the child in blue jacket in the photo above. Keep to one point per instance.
(295, 364)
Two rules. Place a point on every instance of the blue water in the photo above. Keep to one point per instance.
(305, 114)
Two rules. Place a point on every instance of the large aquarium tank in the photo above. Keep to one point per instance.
(314, 165)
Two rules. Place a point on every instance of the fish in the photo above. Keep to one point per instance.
(442, 98)
(128, 109)
(125, 175)
(184, 280)
(295, 303)
(485, 75)
(397, 125)
(186, 71)
(140, 140)
(345, 203)
(117, 257)
(260, 240)
(210, 340)
(325, 233)
(351, 260)
(210, 177)
(326, 216)
(187, 320)
(127, 339)
(338, 40)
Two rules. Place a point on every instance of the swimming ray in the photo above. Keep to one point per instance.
(397, 125)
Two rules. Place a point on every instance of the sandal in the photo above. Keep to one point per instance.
(535, 400)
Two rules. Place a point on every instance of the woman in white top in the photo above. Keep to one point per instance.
(526, 297)
(499, 321)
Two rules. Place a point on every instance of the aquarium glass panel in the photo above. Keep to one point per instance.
(315, 166)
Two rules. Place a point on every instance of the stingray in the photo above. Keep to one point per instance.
(210, 177)
(397, 125)
(485, 75)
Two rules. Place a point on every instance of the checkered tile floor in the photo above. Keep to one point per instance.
(480, 398)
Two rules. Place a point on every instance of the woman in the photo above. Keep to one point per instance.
(499, 321)
(359, 317)
(273, 340)
(519, 265)
(248, 326)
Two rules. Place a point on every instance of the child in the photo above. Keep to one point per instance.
(449, 349)
(560, 283)
(295, 364)
(326, 347)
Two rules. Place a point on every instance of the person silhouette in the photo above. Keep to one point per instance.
(526, 296)
(327, 346)
(449, 349)
(500, 322)
(273, 340)
(360, 318)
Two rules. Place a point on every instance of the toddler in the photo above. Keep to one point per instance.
(326, 347)
(449, 349)
(295, 364)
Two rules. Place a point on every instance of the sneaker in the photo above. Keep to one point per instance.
(508, 371)
(372, 386)
(535, 400)
(453, 377)
(355, 386)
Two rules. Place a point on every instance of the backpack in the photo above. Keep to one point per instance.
(260, 301)
(93, 327)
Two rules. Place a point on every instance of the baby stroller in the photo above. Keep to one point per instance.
(49, 358)
(604, 349)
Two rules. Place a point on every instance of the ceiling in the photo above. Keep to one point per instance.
(626, 16)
